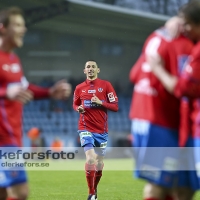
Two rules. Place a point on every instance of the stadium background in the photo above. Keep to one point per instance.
(61, 37)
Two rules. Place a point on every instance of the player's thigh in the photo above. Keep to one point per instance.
(3, 193)
(100, 141)
(18, 191)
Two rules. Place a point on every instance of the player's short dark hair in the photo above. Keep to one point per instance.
(6, 13)
(191, 11)
(92, 60)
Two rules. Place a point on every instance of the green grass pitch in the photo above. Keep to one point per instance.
(71, 185)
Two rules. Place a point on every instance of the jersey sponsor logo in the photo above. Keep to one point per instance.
(91, 91)
(144, 87)
(89, 104)
(83, 91)
(111, 97)
(100, 89)
(14, 68)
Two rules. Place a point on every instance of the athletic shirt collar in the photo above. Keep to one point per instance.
(91, 82)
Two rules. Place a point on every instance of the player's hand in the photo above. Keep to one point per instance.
(80, 109)
(96, 100)
(174, 26)
(61, 90)
(19, 94)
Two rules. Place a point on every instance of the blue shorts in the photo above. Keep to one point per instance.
(98, 141)
(158, 156)
(10, 176)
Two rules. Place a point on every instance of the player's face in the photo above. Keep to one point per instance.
(91, 70)
(14, 32)
(192, 30)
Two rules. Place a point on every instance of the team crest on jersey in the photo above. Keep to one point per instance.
(100, 89)
(111, 97)
(91, 91)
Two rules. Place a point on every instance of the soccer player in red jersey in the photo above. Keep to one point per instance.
(155, 119)
(15, 90)
(92, 99)
(188, 84)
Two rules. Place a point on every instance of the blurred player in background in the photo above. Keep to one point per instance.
(155, 120)
(188, 84)
(92, 99)
(15, 91)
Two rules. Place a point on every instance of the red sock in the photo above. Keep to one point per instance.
(169, 197)
(98, 175)
(90, 173)
(9, 198)
(152, 198)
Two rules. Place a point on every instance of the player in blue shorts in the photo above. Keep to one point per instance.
(155, 115)
(92, 99)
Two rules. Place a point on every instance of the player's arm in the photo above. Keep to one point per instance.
(59, 91)
(157, 66)
(112, 100)
(15, 92)
(187, 85)
(77, 102)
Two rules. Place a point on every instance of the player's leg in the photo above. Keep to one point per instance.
(98, 172)
(90, 170)
(184, 193)
(87, 142)
(188, 181)
(155, 192)
(15, 182)
(3, 193)
(18, 192)
(100, 141)
(154, 162)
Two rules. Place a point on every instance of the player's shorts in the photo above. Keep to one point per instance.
(10, 176)
(97, 140)
(158, 156)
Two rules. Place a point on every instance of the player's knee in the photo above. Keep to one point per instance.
(90, 160)
(184, 193)
(99, 164)
(20, 191)
(152, 190)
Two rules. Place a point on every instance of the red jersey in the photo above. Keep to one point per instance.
(95, 118)
(11, 75)
(189, 85)
(150, 99)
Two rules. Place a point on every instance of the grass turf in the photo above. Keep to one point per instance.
(71, 185)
